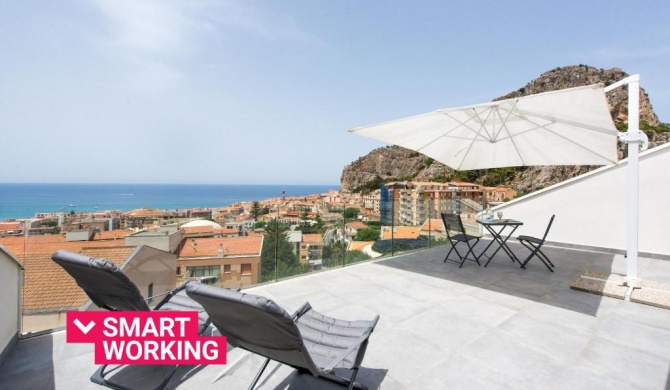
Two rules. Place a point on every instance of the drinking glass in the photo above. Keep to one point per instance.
(499, 214)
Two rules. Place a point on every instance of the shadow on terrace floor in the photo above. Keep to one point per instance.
(535, 282)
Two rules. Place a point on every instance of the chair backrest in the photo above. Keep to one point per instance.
(254, 323)
(102, 281)
(548, 227)
(453, 223)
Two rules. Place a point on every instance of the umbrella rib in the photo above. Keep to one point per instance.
(481, 124)
(464, 124)
(448, 131)
(567, 122)
(474, 139)
(504, 121)
(571, 141)
(504, 126)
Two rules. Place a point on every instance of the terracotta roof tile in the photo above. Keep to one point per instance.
(198, 229)
(112, 234)
(50, 244)
(436, 224)
(359, 245)
(232, 246)
(357, 225)
(401, 232)
(48, 286)
(315, 238)
(145, 213)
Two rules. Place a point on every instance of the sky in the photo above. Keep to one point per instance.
(263, 92)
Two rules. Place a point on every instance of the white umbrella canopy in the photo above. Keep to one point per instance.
(566, 127)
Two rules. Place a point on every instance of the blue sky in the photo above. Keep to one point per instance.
(263, 92)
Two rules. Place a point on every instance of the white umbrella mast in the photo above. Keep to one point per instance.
(636, 140)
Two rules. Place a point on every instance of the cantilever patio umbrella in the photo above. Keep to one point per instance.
(566, 127)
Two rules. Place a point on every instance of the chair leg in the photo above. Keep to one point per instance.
(534, 253)
(545, 257)
(350, 383)
(447, 257)
(258, 376)
(353, 379)
(472, 251)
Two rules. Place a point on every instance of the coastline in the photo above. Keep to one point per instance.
(24, 200)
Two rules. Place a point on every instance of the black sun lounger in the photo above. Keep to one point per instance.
(110, 289)
(307, 341)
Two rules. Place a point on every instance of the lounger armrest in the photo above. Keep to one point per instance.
(168, 295)
(302, 310)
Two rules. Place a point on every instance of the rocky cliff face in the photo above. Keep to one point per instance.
(395, 163)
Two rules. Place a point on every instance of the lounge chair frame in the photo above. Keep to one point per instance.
(306, 340)
(110, 289)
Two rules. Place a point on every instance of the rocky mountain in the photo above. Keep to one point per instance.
(393, 163)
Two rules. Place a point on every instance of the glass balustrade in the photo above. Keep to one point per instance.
(236, 246)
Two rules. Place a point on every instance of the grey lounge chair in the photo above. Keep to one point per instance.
(306, 340)
(110, 289)
(534, 244)
(453, 223)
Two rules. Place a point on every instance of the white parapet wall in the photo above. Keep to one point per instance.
(11, 276)
(591, 209)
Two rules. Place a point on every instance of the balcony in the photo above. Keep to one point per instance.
(440, 327)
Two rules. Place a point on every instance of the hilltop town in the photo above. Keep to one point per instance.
(231, 246)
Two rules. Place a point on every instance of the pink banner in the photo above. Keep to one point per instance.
(156, 337)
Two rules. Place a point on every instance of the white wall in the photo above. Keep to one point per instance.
(10, 298)
(591, 209)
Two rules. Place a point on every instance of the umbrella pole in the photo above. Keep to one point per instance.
(633, 137)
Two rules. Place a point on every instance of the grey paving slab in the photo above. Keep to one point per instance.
(523, 365)
(412, 355)
(438, 326)
(497, 327)
(549, 337)
(647, 338)
(476, 311)
(627, 365)
(461, 372)
(577, 377)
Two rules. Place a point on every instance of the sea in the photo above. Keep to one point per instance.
(19, 200)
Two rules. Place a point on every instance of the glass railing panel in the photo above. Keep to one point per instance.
(237, 245)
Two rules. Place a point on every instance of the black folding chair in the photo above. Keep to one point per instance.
(534, 244)
(453, 223)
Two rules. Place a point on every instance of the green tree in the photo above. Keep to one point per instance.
(287, 262)
(260, 225)
(332, 254)
(351, 213)
(368, 234)
(355, 256)
(255, 210)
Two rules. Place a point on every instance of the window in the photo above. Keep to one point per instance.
(207, 270)
(246, 269)
(226, 268)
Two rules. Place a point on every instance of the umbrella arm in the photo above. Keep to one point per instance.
(632, 136)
